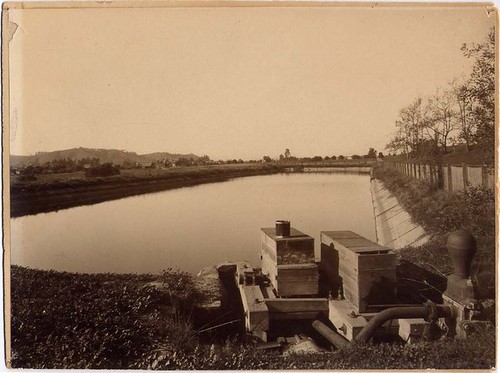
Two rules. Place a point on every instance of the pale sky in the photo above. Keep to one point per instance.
(229, 82)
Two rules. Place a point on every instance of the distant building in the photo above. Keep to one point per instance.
(145, 164)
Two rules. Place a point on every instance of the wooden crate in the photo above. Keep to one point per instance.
(289, 262)
(365, 270)
(297, 279)
(296, 308)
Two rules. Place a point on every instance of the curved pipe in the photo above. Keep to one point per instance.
(427, 312)
(333, 337)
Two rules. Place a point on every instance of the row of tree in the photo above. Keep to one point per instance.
(287, 157)
(463, 112)
(62, 165)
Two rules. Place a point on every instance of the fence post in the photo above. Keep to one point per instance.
(484, 176)
(450, 182)
(439, 175)
(465, 172)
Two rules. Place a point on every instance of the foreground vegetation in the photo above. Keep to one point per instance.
(67, 320)
(103, 321)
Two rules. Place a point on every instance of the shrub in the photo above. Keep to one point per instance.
(106, 169)
(98, 321)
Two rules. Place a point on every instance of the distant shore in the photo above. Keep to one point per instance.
(53, 192)
(61, 191)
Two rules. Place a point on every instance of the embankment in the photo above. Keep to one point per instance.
(33, 198)
(439, 213)
(394, 226)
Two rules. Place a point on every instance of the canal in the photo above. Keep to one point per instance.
(192, 227)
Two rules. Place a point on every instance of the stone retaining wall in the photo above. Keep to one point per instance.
(395, 228)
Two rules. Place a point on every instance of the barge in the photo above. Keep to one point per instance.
(347, 295)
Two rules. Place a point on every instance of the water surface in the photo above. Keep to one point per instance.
(192, 227)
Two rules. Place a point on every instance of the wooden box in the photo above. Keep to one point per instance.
(289, 262)
(363, 271)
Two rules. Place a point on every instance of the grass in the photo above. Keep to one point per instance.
(98, 321)
(444, 354)
(78, 177)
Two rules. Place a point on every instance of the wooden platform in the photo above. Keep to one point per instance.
(261, 305)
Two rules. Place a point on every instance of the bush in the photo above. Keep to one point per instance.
(106, 169)
(98, 321)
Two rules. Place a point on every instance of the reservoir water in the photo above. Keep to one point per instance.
(193, 227)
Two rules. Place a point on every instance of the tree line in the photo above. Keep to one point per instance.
(288, 157)
(463, 112)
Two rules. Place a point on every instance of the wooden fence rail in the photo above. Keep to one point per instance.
(449, 177)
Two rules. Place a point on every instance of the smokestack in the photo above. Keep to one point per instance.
(282, 228)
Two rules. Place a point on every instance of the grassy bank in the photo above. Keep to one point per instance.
(52, 192)
(68, 320)
(103, 321)
(440, 213)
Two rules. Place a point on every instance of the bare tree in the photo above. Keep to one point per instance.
(441, 119)
(466, 121)
(410, 127)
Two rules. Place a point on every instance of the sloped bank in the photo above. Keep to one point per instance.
(394, 226)
(439, 213)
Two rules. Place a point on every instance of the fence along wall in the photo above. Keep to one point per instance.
(449, 177)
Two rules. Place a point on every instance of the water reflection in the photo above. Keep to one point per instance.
(193, 227)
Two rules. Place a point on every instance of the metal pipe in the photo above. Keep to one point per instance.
(282, 228)
(333, 337)
(428, 311)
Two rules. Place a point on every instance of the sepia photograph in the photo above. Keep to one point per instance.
(249, 185)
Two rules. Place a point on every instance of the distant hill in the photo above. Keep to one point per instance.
(114, 156)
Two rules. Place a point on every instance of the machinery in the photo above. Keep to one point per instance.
(350, 294)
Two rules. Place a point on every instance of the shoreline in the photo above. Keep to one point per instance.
(66, 191)
(31, 198)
